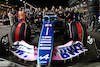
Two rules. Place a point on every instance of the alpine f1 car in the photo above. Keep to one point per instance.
(56, 41)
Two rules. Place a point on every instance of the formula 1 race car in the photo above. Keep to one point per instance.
(57, 42)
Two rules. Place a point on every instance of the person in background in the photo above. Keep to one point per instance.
(40, 17)
(21, 15)
(36, 9)
(61, 12)
(24, 14)
(69, 9)
(76, 15)
(40, 14)
(10, 15)
(66, 14)
(46, 11)
(14, 14)
(81, 15)
(53, 9)
(36, 13)
(71, 14)
(31, 15)
(27, 16)
(43, 12)
(4, 16)
(56, 11)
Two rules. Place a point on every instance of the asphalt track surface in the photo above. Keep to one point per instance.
(81, 61)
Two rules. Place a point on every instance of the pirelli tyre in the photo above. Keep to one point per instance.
(13, 29)
(67, 31)
(93, 8)
(74, 31)
(93, 3)
(80, 31)
(20, 31)
(28, 32)
(71, 33)
(84, 41)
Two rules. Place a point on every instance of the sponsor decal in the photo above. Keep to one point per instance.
(19, 25)
(46, 36)
(48, 25)
(64, 55)
(45, 48)
(46, 39)
(44, 57)
(43, 61)
(80, 36)
(45, 44)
